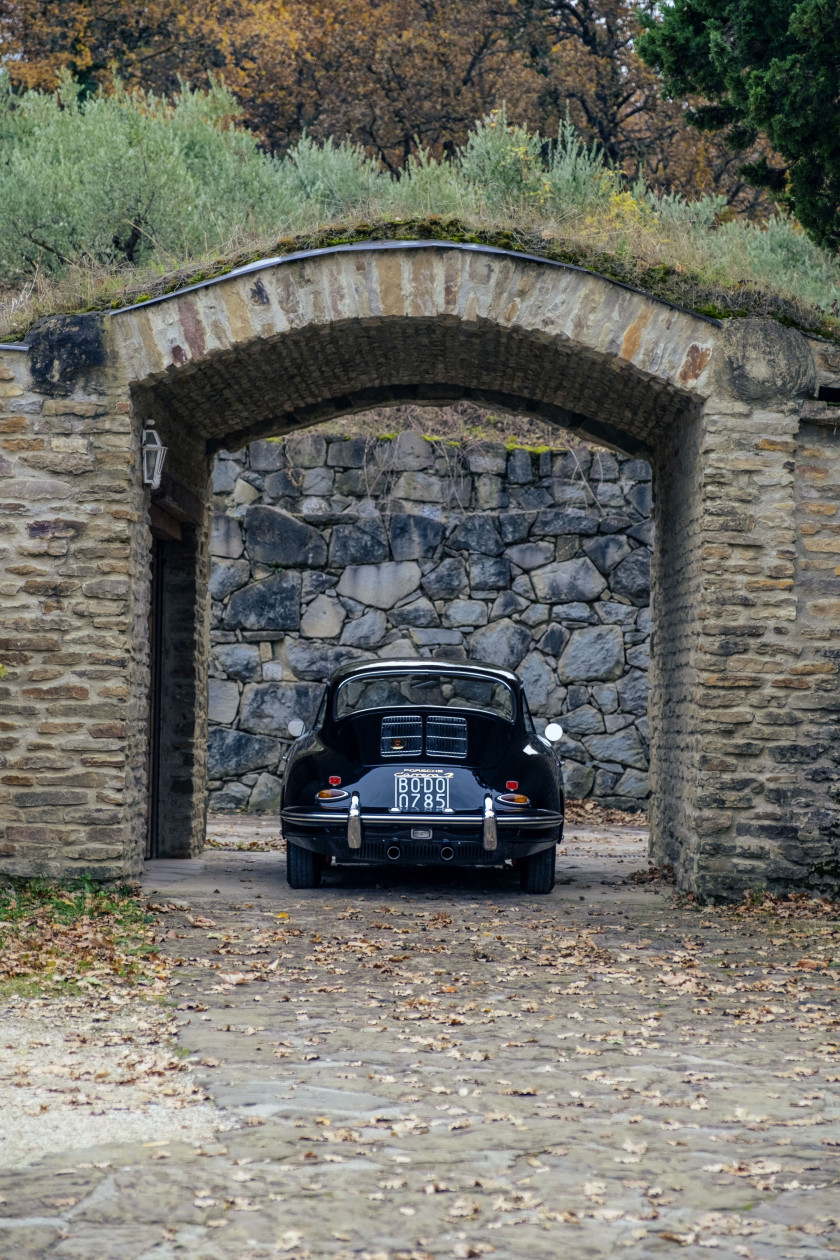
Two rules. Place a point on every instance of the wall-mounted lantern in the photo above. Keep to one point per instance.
(154, 453)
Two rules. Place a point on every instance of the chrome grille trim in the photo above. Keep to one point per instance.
(446, 736)
(407, 731)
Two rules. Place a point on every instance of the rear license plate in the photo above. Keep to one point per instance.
(422, 793)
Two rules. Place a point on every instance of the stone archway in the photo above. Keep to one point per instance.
(738, 656)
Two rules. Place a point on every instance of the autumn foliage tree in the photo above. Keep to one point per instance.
(389, 74)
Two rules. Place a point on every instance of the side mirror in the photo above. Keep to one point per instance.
(554, 732)
(296, 728)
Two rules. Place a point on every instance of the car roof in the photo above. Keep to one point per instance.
(361, 669)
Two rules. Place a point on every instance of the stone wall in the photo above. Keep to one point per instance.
(328, 548)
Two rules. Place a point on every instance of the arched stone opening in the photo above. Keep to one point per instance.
(716, 409)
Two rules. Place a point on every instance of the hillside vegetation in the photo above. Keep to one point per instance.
(110, 199)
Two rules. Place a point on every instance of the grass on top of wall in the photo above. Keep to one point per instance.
(112, 200)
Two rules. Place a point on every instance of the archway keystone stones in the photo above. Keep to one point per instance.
(745, 575)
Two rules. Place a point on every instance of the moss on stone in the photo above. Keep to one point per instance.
(669, 283)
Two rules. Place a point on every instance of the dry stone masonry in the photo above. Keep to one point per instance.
(331, 549)
(103, 720)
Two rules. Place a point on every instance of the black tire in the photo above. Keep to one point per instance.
(303, 867)
(536, 873)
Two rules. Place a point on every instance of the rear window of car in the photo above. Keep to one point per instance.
(424, 690)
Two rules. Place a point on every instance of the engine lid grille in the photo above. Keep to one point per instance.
(446, 736)
(401, 736)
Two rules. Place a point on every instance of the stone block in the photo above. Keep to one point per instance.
(238, 660)
(429, 637)
(362, 541)
(244, 492)
(640, 497)
(593, 654)
(537, 678)
(266, 456)
(515, 526)
(446, 581)
(623, 747)
(323, 618)
(490, 492)
(606, 697)
(306, 450)
(272, 604)
(633, 783)
(223, 701)
(414, 537)
(284, 484)
(612, 613)
(231, 798)
(554, 640)
(568, 581)
(398, 649)
(225, 473)
(519, 467)
(555, 520)
(316, 660)
(366, 631)
(273, 536)
(420, 612)
(606, 550)
(577, 779)
(636, 470)
(531, 555)
(380, 585)
(348, 454)
(267, 708)
(265, 795)
(478, 535)
(632, 692)
(501, 643)
(632, 577)
(228, 577)
(507, 604)
(226, 537)
(604, 466)
(465, 612)
(317, 481)
(418, 487)
(410, 451)
(231, 753)
(315, 584)
(489, 458)
(489, 573)
(584, 721)
(536, 615)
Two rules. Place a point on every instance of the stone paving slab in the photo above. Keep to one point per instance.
(425, 1064)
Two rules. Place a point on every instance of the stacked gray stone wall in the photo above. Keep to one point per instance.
(328, 549)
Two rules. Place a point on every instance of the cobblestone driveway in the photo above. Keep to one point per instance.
(411, 1065)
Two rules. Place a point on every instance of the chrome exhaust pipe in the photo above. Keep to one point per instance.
(394, 852)
(447, 853)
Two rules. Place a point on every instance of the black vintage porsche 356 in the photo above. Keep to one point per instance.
(423, 762)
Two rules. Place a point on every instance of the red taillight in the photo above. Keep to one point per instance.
(335, 781)
(511, 785)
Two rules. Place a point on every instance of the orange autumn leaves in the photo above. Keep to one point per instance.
(388, 74)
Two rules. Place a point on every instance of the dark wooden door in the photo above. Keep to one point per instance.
(155, 673)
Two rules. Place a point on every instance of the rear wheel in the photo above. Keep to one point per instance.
(303, 867)
(536, 873)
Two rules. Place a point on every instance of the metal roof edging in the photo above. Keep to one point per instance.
(376, 246)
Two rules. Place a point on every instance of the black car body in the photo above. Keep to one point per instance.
(423, 762)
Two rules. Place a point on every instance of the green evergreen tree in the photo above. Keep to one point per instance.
(763, 66)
